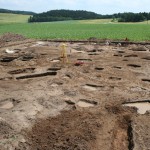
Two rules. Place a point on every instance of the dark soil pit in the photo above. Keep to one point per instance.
(43, 54)
(69, 102)
(134, 65)
(125, 60)
(146, 58)
(24, 70)
(114, 78)
(132, 55)
(100, 50)
(37, 75)
(146, 80)
(118, 55)
(94, 50)
(130, 136)
(94, 85)
(99, 68)
(17, 49)
(117, 67)
(8, 59)
(84, 59)
(93, 54)
(54, 69)
(27, 58)
(121, 52)
(68, 75)
(140, 48)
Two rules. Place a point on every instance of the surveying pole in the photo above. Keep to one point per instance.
(64, 53)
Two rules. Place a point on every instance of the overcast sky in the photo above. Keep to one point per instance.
(98, 6)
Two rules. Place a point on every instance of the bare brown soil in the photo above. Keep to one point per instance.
(46, 104)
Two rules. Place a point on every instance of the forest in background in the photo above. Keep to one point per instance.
(17, 12)
(62, 15)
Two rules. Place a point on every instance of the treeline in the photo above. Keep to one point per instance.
(17, 12)
(132, 17)
(61, 15)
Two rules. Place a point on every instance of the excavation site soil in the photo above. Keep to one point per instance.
(74, 95)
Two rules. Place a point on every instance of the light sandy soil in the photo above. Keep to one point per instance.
(46, 104)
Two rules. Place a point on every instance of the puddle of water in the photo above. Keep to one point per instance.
(84, 103)
(141, 106)
(7, 105)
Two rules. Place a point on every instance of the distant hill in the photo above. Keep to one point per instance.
(16, 12)
(60, 15)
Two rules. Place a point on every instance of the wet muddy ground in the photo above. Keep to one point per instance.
(82, 104)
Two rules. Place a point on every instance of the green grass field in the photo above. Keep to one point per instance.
(13, 18)
(107, 21)
(76, 29)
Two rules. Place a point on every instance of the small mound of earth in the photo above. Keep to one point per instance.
(11, 37)
(63, 132)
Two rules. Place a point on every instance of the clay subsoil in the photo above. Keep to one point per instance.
(46, 104)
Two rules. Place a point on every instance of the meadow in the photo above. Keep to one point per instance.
(13, 18)
(103, 29)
